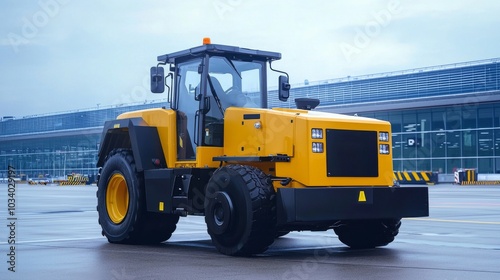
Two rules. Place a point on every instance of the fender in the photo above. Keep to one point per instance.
(134, 134)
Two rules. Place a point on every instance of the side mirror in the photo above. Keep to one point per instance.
(157, 79)
(284, 88)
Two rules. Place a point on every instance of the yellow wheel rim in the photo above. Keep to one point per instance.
(117, 198)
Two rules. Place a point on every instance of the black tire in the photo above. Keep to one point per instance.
(240, 210)
(364, 234)
(126, 220)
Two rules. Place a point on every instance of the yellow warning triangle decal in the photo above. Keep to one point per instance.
(362, 196)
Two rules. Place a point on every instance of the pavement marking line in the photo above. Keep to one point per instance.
(453, 221)
(462, 207)
(54, 240)
(464, 203)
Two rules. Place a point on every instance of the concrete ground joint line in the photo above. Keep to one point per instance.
(453, 221)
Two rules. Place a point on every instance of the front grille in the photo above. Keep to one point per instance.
(351, 153)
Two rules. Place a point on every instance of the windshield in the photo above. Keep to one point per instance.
(236, 83)
(230, 83)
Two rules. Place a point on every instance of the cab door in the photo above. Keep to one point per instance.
(186, 103)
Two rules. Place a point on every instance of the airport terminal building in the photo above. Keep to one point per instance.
(443, 118)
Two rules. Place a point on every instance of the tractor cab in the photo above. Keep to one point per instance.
(205, 81)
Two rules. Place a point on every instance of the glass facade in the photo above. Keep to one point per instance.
(70, 120)
(469, 77)
(443, 139)
(51, 156)
(439, 139)
(57, 144)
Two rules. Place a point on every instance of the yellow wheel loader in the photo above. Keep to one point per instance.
(254, 173)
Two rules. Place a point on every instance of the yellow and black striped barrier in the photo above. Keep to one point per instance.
(465, 176)
(74, 181)
(416, 177)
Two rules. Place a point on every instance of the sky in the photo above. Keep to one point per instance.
(63, 55)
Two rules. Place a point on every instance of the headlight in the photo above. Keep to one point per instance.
(317, 133)
(317, 147)
(384, 149)
(383, 136)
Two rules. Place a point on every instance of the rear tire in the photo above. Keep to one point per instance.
(240, 210)
(121, 204)
(364, 234)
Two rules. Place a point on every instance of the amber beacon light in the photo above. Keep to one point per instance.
(206, 41)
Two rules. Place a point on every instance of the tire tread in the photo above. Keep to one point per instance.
(147, 227)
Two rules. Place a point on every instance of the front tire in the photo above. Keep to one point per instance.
(364, 234)
(121, 204)
(240, 210)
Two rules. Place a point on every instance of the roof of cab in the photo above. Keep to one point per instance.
(215, 49)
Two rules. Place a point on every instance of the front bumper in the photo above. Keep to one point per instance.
(326, 205)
